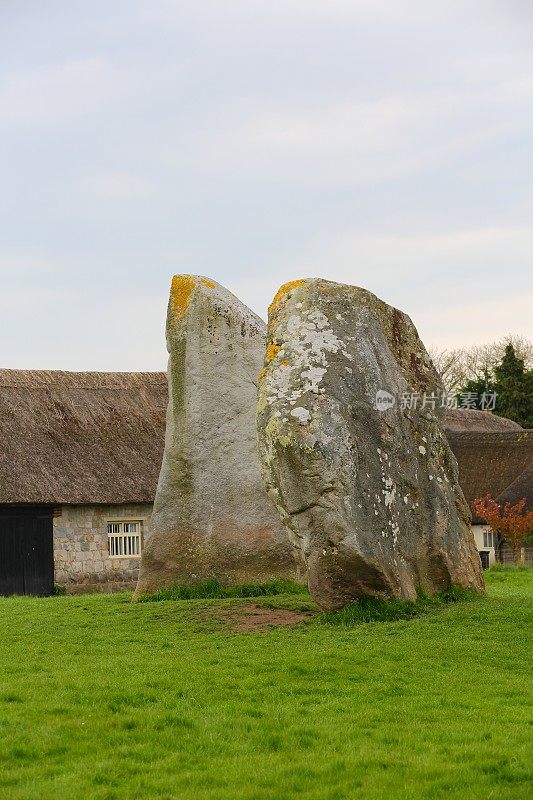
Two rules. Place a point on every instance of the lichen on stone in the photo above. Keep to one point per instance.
(282, 291)
(272, 351)
(312, 338)
(180, 293)
(303, 415)
(364, 494)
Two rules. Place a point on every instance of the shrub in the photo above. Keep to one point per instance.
(372, 609)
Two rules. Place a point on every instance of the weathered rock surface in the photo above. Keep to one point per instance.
(370, 496)
(212, 516)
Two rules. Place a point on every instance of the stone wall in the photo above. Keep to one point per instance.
(81, 555)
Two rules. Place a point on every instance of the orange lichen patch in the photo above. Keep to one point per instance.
(280, 294)
(262, 373)
(272, 351)
(180, 293)
(208, 283)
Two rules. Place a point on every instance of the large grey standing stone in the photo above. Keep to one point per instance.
(370, 496)
(212, 517)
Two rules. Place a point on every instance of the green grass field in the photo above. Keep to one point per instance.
(104, 699)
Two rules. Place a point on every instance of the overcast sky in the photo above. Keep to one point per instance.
(382, 143)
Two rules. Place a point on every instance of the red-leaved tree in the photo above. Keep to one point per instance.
(513, 523)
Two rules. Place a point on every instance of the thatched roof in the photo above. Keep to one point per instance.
(520, 489)
(80, 437)
(493, 454)
(458, 420)
(490, 462)
(97, 437)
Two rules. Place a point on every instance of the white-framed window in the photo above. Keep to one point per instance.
(488, 539)
(124, 538)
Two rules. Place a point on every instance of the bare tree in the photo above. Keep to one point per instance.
(462, 364)
(450, 366)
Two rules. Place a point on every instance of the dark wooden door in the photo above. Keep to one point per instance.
(26, 551)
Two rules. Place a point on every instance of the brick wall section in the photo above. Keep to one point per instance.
(81, 557)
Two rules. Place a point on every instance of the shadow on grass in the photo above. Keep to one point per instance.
(371, 609)
(215, 590)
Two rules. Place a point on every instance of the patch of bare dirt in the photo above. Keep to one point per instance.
(247, 619)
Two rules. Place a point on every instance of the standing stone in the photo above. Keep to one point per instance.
(368, 488)
(212, 517)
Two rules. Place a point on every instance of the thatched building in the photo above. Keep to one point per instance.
(80, 454)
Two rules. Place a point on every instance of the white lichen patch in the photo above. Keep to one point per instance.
(312, 377)
(303, 415)
(311, 341)
(389, 491)
(422, 449)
